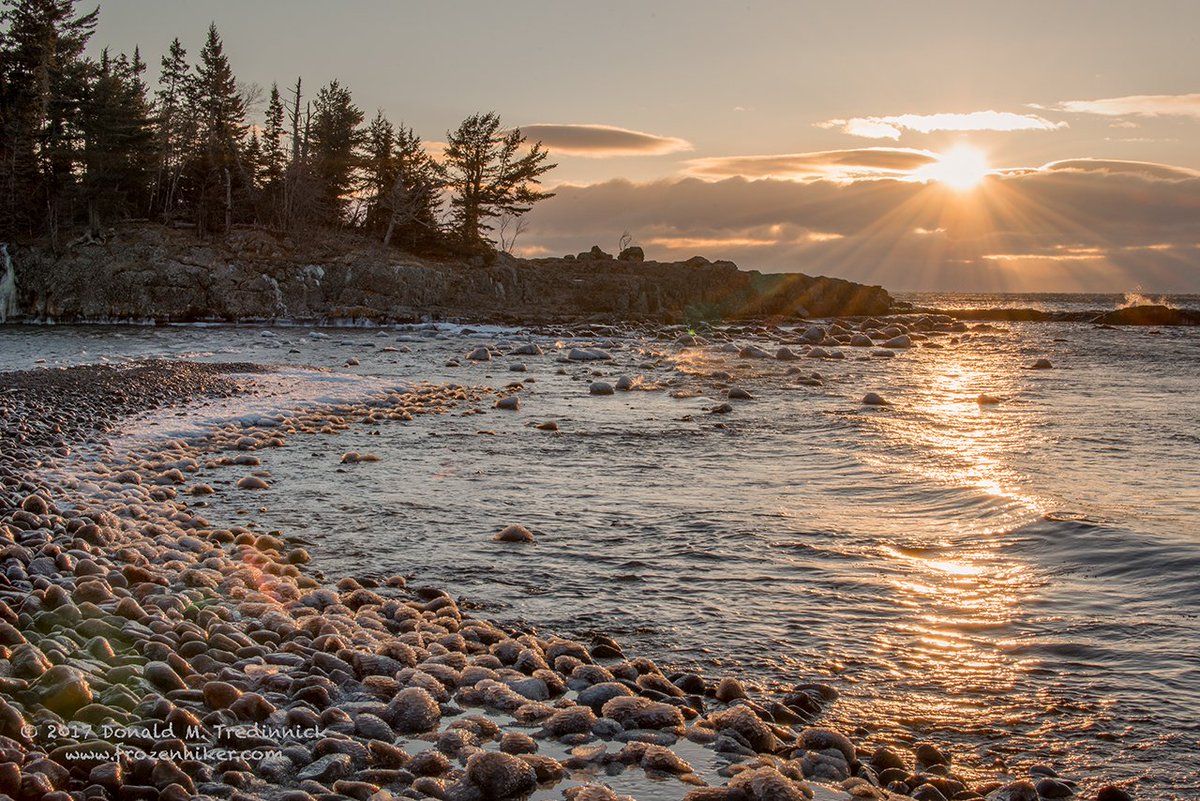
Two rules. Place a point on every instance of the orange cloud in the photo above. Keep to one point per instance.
(832, 165)
(1149, 169)
(1137, 106)
(602, 141)
(892, 127)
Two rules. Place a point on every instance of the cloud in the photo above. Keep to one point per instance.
(1077, 225)
(1137, 106)
(602, 141)
(835, 165)
(892, 127)
(1149, 169)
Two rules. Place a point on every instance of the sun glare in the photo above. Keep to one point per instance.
(960, 168)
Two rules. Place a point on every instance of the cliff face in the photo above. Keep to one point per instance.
(152, 273)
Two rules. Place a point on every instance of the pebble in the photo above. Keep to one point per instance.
(499, 775)
(635, 712)
(354, 457)
(588, 355)
(510, 403)
(875, 399)
(327, 769)
(480, 354)
(600, 388)
(728, 689)
(1042, 364)
(749, 727)
(1015, 791)
(1053, 788)
(413, 710)
(253, 483)
(220, 694)
(597, 695)
(163, 676)
(930, 754)
(514, 533)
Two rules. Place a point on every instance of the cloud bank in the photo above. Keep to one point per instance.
(1078, 225)
(1137, 106)
(602, 141)
(834, 165)
(892, 127)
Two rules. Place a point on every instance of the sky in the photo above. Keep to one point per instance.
(962, 146)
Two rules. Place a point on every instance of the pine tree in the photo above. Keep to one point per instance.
(118, 141)
(222, 130)
(273, 161)
(175, 121)
(402, 186)
(336, 139)
(489, 178)
(43, 82)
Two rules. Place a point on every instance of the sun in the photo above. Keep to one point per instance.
(961, 168)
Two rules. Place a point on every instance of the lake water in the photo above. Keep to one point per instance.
(1020, 581)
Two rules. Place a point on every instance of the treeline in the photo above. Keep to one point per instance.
(85, 143)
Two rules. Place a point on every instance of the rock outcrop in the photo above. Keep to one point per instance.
(152, 273)
(1153, 314)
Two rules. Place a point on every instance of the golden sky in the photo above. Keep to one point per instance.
(1023, 146)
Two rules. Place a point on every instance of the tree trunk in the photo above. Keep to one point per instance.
(93, 220)
(387, 237)
(228, 201)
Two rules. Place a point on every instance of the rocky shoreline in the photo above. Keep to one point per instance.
(151, 273)
(146, 652)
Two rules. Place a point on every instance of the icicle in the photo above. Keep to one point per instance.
(8, 286)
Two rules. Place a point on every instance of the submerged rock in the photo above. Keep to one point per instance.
(253, 482)
(1022, 790)
(514, 533)
(588, 355)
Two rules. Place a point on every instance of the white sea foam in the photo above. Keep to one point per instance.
(272, 395)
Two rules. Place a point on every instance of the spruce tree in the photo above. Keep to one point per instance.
(176, 130)
(402, 186)
(273, 161)
(43, 83)
(335, 150)
(118, 141)
(222, 131)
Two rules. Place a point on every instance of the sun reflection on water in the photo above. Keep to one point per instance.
(956, 589)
